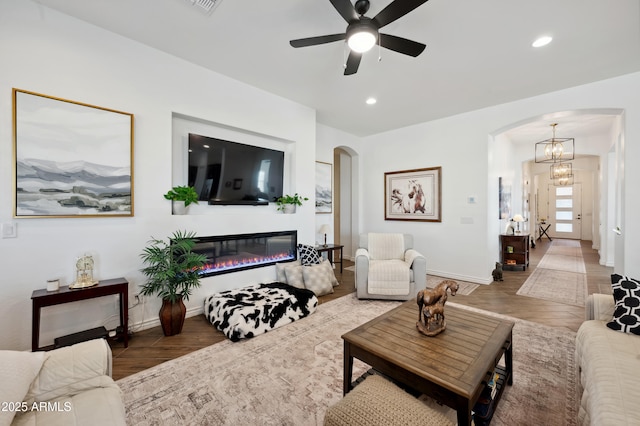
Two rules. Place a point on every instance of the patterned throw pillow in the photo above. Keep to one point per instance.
(317, 279)
(332, 276)
(626, 293)
(280, 270)
(309, 255)
(294, 276)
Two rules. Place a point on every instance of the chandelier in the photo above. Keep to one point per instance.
(555, 150)
(561, 174)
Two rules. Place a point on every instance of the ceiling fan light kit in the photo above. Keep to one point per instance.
(362, 36)
(362, 32)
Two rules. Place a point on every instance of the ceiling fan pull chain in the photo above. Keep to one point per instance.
(344, 55)
(379, 50)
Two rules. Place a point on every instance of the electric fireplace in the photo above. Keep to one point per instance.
(232, 253)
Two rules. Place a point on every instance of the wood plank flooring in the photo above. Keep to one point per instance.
(150, 347)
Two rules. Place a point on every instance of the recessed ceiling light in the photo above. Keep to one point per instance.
(542, 41)
(371, 101)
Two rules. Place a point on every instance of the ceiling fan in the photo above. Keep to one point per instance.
(362, 32)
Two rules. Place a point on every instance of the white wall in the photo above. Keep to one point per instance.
(459, 145)
(50, 53)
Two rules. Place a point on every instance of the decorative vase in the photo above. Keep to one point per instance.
(179, 208)
(172, 316)
(289, 208)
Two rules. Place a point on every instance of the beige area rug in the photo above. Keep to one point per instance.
(289, 376)
(558, 277)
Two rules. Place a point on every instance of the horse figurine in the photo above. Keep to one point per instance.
(431, 307)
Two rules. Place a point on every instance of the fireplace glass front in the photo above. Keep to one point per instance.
(232, 253)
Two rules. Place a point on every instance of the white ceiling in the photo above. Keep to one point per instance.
(478, 52)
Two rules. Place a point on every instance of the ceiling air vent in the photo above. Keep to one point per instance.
(204, 6)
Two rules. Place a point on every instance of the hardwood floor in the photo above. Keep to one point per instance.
(150, 347)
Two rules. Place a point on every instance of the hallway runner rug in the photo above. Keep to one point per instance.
(291, 375)
(560, 276)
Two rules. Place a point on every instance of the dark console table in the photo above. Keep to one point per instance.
(42, 298)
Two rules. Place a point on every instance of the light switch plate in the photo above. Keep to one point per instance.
(9, 230)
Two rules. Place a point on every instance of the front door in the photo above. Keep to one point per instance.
(565, 211)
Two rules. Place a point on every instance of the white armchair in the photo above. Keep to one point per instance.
(387, 267)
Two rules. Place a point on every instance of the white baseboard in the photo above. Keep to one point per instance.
(460, 277)
(155, 321)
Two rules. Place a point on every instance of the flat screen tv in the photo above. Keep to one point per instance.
(232, 173)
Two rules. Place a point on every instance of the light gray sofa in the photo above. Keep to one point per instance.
(66, 386)
(609, 368)
(417, 276)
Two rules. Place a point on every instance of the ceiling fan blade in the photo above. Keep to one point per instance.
(353, 62)
(312, 41)
(345, 9)
(401, 45)
(395, 10)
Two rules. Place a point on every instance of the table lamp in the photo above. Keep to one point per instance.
(517, 219)
(325, 229)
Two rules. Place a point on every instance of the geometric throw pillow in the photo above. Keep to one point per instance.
(316, 279)
(626, 293)
(309, 255)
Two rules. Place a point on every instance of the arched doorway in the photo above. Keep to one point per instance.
(346, 195)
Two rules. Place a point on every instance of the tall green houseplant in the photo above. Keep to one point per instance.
(172, 273)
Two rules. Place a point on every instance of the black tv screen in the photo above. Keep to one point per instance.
(226, 173)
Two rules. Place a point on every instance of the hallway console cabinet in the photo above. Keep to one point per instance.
(514, 251)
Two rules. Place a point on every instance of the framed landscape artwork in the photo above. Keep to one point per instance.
(413, 195)
(71, 159)
(504, 199)
(324, 187)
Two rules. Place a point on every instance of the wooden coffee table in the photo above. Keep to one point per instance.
(452, 367)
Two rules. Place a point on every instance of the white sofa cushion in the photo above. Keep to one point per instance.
(70, 370)
(389, 277)
(609, 363)
(17, 371)
(386, 246)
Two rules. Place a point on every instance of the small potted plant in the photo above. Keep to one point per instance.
(183, 197)
(172, 271)
(288, 203)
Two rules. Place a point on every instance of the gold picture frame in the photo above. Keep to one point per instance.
(70, 159)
